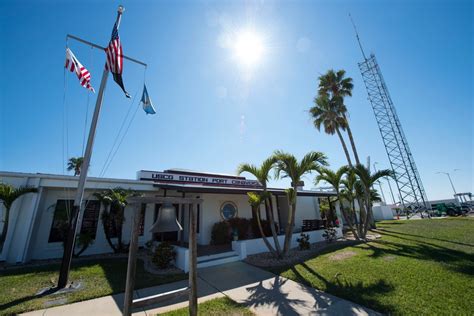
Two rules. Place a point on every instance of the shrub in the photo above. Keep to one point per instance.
(164, 254)
(303, 242)
(265, 226)
(221, 233)
(240, 225)
(83, 241)
(329, 233)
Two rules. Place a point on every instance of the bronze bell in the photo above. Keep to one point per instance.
(167, 220)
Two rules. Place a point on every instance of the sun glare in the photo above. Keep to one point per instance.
(248, 48)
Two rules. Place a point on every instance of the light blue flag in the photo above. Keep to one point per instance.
(146, 102)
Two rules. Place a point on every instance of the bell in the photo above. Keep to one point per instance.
(166, 221)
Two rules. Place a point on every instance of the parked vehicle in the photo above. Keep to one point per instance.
(451, 209)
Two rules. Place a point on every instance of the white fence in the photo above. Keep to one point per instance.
(243, 248)
(182, 258)
(254, 246)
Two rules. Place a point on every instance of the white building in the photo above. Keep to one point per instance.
(33, 229)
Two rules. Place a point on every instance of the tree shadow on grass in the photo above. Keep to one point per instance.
(384, 231)
(353, 291)
(24, 299)
(273, 296)
(455, 260)
(111, 271)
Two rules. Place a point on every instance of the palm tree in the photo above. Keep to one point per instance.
(119, 200)
(335, 179)
(367, 180)
(288, 166)
(105, 199)
(263, 174)
(327, 113)
(75, 163)
(352, 191)
(114, 202)
(336, 86)
(255, 200)
(8, 195)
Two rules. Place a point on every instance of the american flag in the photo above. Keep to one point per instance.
(73, 65)
(114, 62)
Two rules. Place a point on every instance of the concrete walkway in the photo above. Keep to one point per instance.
(263, 292)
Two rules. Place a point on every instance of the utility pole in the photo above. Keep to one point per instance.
(71, 234)
(450, 181)
(391, 191)
(380, 184)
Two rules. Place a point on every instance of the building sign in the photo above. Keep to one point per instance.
(196, 178)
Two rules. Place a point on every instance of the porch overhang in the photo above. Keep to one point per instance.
(190, 188)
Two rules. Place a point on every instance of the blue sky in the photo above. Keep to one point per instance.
(213, 115)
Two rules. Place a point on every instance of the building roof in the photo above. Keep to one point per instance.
(182, 187)
(197, 188)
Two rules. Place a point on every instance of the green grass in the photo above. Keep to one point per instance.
(99, 278)
(417, 267)
(217, 306)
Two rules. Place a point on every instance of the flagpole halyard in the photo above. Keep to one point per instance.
(83, 41)
(76, 212)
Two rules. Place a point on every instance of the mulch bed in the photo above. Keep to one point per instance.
(294, 256)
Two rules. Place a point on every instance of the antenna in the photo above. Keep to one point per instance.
(357, 36)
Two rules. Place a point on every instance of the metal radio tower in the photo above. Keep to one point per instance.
(411, 192)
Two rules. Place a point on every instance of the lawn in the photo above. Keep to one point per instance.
(417, 267)
(104, 277)
(217, 306)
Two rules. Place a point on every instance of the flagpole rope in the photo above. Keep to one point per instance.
(123, 137)
(102, 172)
(87, 110)
(108, 163)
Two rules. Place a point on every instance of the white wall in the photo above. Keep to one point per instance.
(210, 212)
(382, 212)
(254, 246)
(32, 215)
(307, 207)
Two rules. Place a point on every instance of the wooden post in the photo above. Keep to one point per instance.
(132, 262)
(192, 262)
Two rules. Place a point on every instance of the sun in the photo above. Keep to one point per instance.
(248, 48)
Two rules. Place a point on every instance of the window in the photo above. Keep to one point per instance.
(115, 211)
(228, 210)
(90, 218)
(141, 230)
(60, 220)
(198, 213)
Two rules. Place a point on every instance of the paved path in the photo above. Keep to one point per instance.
(263, 292)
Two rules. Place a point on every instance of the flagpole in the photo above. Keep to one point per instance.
(71, 236)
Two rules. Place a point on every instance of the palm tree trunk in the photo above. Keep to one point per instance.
(351, 140)
(3, 236)
(344, 146)
(347, 218)
(107, 237)
(367, 215)
(272, 228)
(291, 224)
(265, 240)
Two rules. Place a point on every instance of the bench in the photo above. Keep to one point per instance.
(312, 224)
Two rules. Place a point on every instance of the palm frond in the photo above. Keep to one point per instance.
(382, 174)
(8, 193)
